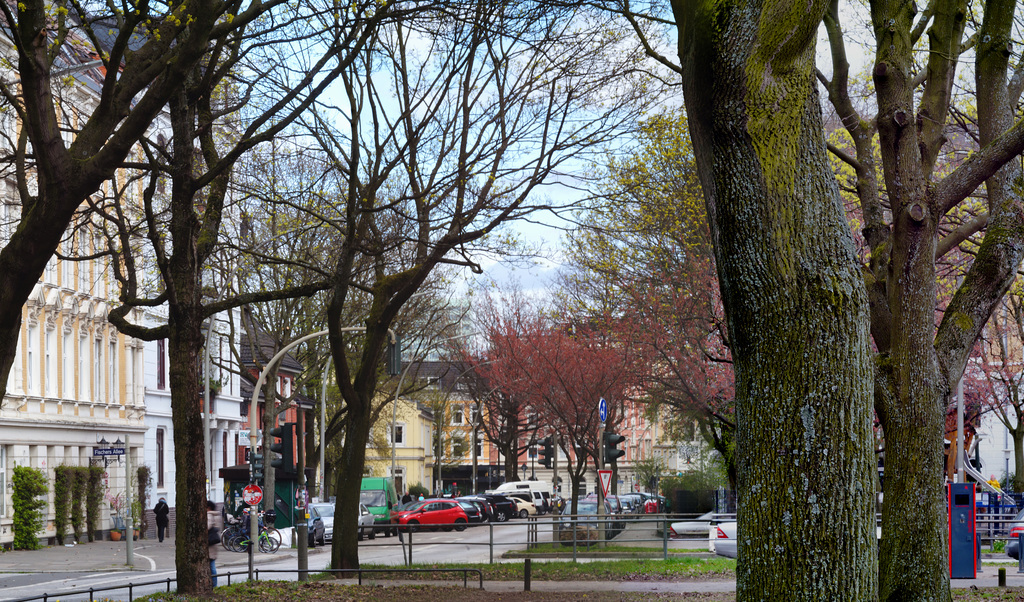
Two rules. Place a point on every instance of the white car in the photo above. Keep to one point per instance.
(723, 539)
(698, 527)
(327, 515)
(366, 519)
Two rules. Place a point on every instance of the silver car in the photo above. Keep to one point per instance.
(365, 521)
(723, 538)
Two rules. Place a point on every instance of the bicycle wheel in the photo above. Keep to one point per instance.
(227, 535)
(274, 536)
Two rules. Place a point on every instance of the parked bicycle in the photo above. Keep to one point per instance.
(235, 536)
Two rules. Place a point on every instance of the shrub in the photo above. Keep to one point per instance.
(29, 485)
(78, 500)
(418, 489)
(145, 479)
(62, 480)
(93, 499)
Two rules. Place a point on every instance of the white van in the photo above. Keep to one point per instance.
(539, 492)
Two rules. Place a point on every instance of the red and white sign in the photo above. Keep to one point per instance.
(252, 495)
(606, 481)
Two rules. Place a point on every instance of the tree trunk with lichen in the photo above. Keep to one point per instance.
(794, 299)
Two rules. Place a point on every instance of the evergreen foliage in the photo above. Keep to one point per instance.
(29, 487)
(62, 477)
(81, 478)
(93, 499)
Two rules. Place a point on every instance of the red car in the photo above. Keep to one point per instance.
(434, 513)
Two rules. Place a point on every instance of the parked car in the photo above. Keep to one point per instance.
(504, 508)
(632, 503)
(524, 507)
(612, 500)
(585, 530)
(315, 527)
(433, 513)
(699, 526)
(723, 536)
(474, 511)
(481, 503)
(327, 515)
(366, 522)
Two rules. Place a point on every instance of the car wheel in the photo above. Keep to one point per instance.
(501, 517)
(413, 526)
(523, 513)
(323, 540)
(373, 534)
(460, 525)
(312, 540)
(387, 532)
(360, 535)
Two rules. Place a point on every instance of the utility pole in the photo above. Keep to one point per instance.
(129, 527)
(302, 527)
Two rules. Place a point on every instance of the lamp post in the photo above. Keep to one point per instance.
(253, 516)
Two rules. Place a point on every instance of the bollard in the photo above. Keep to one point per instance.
(1002, 577)
(526, 575)
(1020, 556)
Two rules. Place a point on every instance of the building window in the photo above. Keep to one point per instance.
(399, 438)
(31, 359)
(51, 379)
(83, 380)
(161, 364)
(160, 458)
(479, 447)
(97, 375)
(459, 447)
(112, 384)
(457, 415)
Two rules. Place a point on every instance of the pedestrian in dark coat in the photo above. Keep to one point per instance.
(161, 510)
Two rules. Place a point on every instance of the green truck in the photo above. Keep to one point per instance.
(379, 497)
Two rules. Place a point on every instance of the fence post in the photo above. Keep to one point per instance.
(664, 539)
(1002, 576)
(490, 529)
(526, 575)
(1020, 556)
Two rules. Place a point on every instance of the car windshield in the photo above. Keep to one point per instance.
(467, 506)
(371, 498)
(325, 510)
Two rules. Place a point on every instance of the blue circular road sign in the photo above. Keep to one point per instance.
(602, 410)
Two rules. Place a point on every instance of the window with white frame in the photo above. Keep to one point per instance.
(457, 415)
(399, 438)
(97, 373)
(68, 374)
(49, 368)
(112, 388)
(32, 356)
(83, 374)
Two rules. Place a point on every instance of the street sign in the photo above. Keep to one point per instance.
(243, 438)
(602, 410)
(107, 451)
(252, 495)
(606, 481)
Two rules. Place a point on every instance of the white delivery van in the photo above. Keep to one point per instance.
(539, 491)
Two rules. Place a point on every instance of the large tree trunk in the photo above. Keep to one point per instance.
(345, 549)
(794, 299)
(190, 545)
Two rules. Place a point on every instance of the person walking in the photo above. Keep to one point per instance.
(161, 511)
(213, 521)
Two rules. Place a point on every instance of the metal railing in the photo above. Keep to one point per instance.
(132, 586)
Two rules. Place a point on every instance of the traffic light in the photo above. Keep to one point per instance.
(283, 451)
(547, 452)
(394, 357)
(257, 467)
(610, 452)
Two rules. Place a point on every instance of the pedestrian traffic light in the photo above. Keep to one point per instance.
(547, 452)
(283, 448)
(256, 467)
(394, 357)
(610, 441)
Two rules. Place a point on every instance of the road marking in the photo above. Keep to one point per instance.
(152, 563)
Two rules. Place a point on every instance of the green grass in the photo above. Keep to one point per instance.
(555, 548)
(598, 570)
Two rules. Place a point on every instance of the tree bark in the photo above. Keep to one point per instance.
(794, 299)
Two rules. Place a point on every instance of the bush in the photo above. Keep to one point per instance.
(93, 499)
(62, 482)
(418, 489)
(78, 500)
(144, 481)
(29, 485)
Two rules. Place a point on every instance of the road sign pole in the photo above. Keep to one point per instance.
(600, 489)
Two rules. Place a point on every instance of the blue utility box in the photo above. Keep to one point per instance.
(962, 530)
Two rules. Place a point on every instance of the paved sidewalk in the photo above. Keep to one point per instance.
(106, 556)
